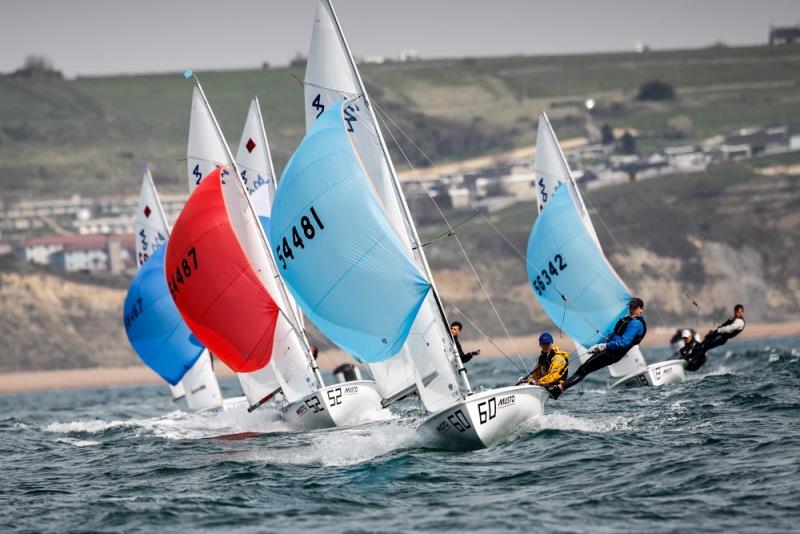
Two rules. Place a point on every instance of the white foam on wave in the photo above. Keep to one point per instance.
(179, 425)
(562, 421)
(339, 447)
(78, 442)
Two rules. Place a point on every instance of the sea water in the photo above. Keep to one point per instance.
(719, 452)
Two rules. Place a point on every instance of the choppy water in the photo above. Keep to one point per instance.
(718, 452)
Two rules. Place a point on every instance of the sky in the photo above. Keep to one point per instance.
(98, 37)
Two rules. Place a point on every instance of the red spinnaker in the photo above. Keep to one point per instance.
(214, 285)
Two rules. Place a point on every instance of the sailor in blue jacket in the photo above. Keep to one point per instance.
(629, 331)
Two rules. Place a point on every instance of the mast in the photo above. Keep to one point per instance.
(261, 235)
(416, 243)
(297, 325)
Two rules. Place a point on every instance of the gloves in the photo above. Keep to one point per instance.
(475, 352)
(600, 347)
(521, 380)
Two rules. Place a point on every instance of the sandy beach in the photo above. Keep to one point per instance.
(30, 381)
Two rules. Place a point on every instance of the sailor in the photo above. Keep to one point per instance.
(727, 330)
(690, 351)
(455, 330)
(629, 331)
(552, 367)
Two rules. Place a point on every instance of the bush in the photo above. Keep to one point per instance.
(656, 90)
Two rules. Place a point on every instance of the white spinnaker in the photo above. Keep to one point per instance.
(551, 171)
(427, 357)
(199, 385)
(255, 167)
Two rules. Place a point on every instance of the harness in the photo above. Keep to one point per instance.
(622, 325)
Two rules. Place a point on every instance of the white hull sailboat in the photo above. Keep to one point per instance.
(573, 280)
(376, 298)
(485, 419)
(291, 377)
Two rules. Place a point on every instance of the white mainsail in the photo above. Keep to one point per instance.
(289, 352)
(199, 385)
(551, 171)
(208, 149)
(427, 360)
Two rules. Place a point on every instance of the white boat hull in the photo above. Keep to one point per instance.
(656, 374)
(485, 419)
(342, 404)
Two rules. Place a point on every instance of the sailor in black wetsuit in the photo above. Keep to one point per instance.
(690, 351)
(629, 331)
(727, 330)
(696, 357)
(455, 330)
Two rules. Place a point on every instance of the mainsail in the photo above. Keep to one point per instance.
(290, 365)
(161, 337)
(426, 360)
(573, 281)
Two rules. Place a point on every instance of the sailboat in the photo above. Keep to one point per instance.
(339, 205)
(238, 210)
(153, 324)
(571, 277)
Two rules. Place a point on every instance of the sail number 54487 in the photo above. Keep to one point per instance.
(553, 268)
(309, 226)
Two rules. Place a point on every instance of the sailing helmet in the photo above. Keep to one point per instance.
(686, 333)
(545, 338)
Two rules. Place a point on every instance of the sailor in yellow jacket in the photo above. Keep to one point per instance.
(553, 365)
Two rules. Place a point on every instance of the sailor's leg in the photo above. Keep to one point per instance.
(594, 363)
(712, 341)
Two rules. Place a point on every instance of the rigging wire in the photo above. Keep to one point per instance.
(383, 117)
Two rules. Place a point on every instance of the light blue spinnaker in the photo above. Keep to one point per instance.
(337, 251)
(571, 278)
(154, 327)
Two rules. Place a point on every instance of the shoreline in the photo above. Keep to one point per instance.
(65, 379)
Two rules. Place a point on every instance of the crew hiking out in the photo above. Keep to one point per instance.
(629, 331)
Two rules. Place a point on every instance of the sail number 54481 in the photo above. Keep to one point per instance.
(552, 269)
(285, 249)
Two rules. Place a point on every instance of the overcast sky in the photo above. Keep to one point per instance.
(133, 36)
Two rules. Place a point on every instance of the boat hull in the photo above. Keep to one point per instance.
(485, 419)
(342, 404)
(656, 374)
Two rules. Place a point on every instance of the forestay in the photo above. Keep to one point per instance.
(336, 249)
(552, 173)
(425, 362)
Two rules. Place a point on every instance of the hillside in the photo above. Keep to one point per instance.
(91, 135)
(725, 236)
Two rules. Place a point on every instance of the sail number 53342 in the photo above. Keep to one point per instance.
(309, 226)
(553, 268)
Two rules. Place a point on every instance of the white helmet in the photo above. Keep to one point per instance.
(686, 334)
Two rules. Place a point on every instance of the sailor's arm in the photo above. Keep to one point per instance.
(557, 366)
(735, 326)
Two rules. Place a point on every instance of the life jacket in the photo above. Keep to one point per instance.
(623, 323)
(730, 322)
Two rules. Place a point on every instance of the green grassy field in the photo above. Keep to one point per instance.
(90, 136)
